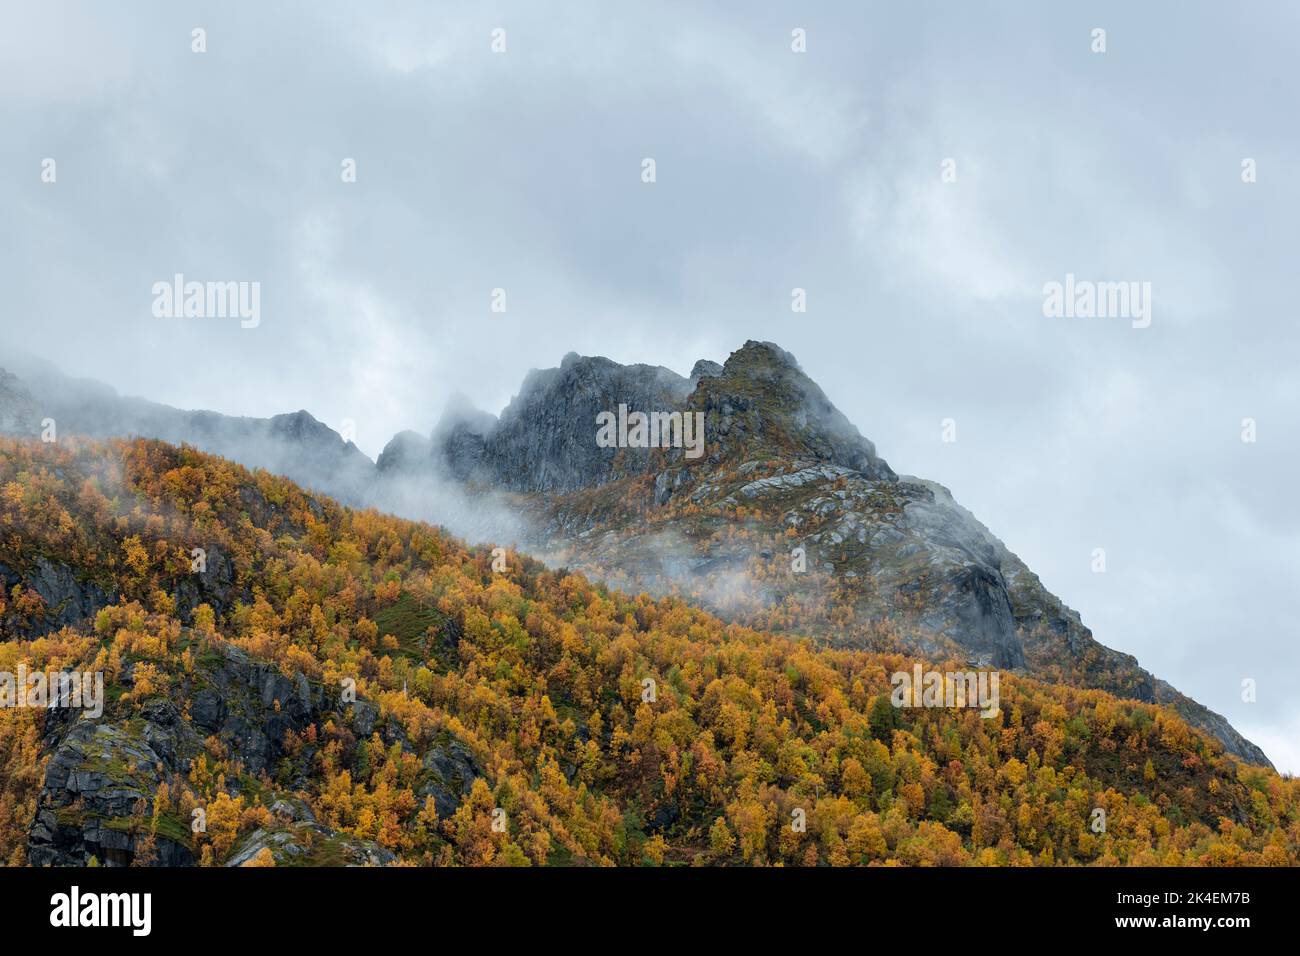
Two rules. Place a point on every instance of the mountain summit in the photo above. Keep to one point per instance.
(789, 521)
(759, 403)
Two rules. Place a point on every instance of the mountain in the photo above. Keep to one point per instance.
(787, 520)
(295, 444)
(332, 686)
(891, 562)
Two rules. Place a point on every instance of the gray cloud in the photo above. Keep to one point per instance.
(775, 170)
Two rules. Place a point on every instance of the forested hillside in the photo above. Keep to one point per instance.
(517, 715)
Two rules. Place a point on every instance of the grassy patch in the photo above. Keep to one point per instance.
(409, 622)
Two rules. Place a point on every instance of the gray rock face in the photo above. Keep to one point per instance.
(545, 439)
(449, 771)
(459, 442)
(704, 369)
(459, 448)
(99, 786)
(307, 843)
(984, 618)
(214, 586)
(68, 598)
(72, 599)
(103, 771)
(100, 779)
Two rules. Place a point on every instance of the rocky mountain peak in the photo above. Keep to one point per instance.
(757, 359)
(545, 439)
(762, 404)
(303, 426)
(406, 451)
(704, 369)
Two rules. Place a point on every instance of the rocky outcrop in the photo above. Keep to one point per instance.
(763, 403)
(213, 584)
(307, 843)
(460, 439)
(68, 597)
(449, 771)
(545, 440)
(704, 369)
(251, 704)
(99, 786)
(102, 774)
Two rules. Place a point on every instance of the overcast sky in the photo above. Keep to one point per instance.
(774, 170)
